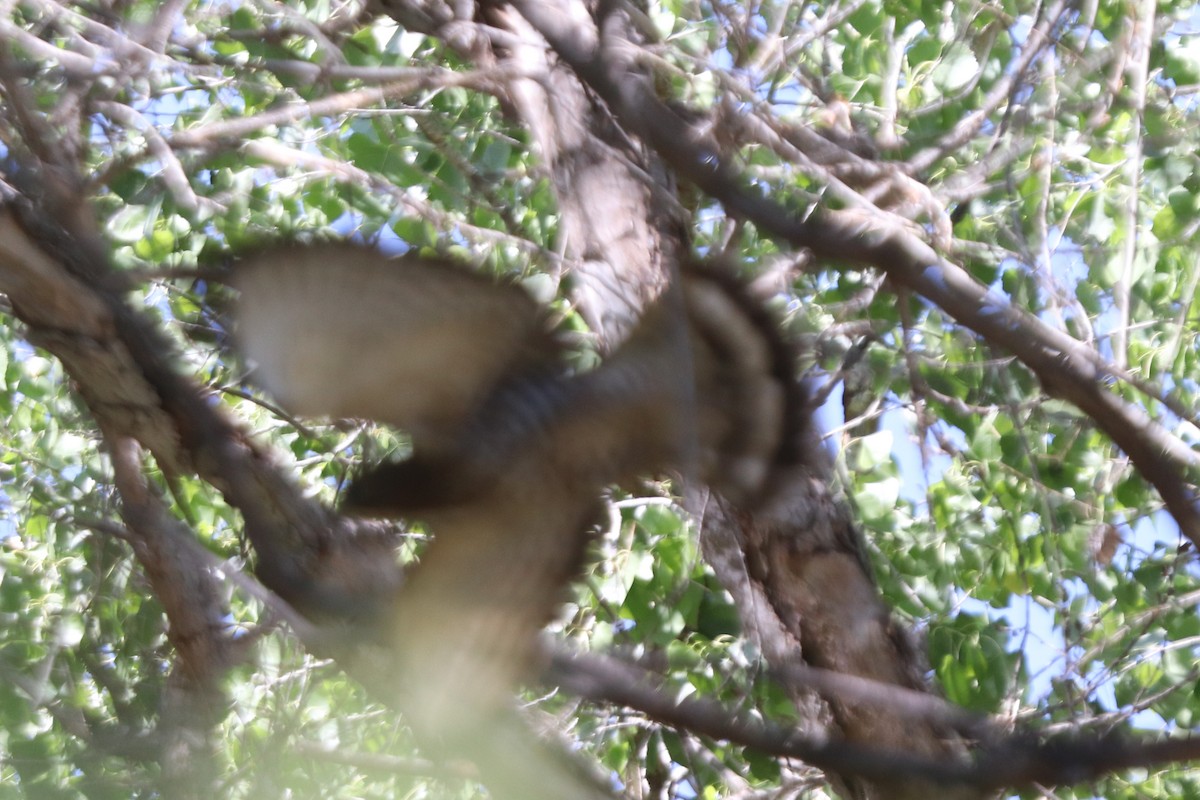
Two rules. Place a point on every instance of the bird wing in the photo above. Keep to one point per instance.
(418, 343)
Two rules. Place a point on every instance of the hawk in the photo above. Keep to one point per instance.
(511, 449)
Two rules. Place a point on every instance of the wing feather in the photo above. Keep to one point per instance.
(343, 331)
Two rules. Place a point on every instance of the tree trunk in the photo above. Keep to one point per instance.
(801, 552)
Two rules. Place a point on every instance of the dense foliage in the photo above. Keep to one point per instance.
(1051, 153)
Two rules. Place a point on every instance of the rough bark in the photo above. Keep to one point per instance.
(621, 225)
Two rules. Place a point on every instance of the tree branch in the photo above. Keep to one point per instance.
(1015, 761)
(1066, 367)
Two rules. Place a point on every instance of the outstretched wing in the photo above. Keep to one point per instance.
(511, 456)
(343, 331)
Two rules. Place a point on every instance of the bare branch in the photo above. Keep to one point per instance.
(173, 175)
(281, 155)
(1038, 38)
(1013, 761)
(209, 136)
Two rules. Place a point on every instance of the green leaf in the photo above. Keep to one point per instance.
(1183, 60)
(129, 224)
